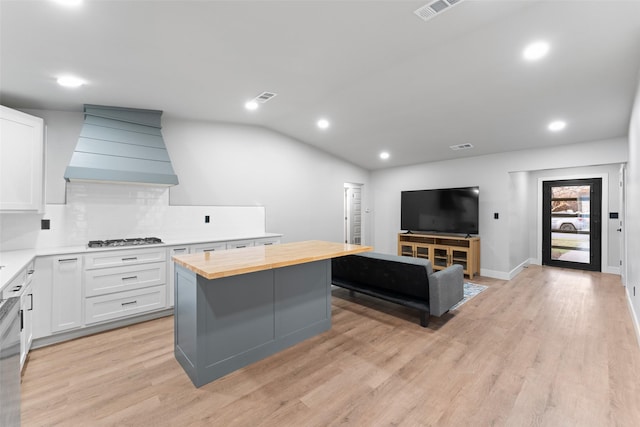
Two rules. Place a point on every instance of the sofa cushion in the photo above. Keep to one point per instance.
(388, 273)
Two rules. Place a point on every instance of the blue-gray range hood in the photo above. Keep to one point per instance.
(122, 145)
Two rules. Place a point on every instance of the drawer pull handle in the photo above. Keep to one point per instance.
(241, 246)
(130, 259)
(268, 243)
(30, 272)
(179, 250)
(130, 278)
(67, 259)
(208, 250)
(17, 288)
(129, 303)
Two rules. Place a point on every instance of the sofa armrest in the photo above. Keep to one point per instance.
(446, 288)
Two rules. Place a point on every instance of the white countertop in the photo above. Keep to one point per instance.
(13, 262)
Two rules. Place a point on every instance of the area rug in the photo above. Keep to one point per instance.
(470, 291)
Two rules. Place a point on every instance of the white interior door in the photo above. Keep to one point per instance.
(353, 214)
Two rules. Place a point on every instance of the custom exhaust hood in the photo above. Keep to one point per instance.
(122, 145)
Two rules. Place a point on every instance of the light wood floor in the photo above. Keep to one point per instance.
(552, 347)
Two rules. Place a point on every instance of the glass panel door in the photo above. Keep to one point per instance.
(571, 227)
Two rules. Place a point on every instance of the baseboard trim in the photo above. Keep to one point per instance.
(611, 270)
(634, 316)
(502, 275)
(513, 273)
(90, 330)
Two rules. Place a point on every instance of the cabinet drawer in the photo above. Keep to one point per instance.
(267, 242)
(15, 288)
(116, 279)
(128, 257)
(239, 244)
(122, 304)
(208, 247)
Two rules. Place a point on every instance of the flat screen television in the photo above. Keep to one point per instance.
(447, 210)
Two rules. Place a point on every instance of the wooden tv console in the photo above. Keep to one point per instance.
(442, 250)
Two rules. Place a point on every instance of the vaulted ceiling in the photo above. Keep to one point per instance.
(384, 78)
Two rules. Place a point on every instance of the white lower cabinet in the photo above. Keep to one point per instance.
(178, 250)
(26, 336)
(129, 282)
(208, 247)
(116, 279)
(240, 244)
(120, 304)
(66, 293)
(21, 287)
(267, 241)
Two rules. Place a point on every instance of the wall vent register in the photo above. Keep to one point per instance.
(138, 241)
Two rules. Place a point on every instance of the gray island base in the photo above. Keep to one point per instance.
(238, 306)
(224, 324)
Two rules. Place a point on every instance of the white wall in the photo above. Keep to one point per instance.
(491, 174)
(633, 213)
(300, 187)
(519, 212)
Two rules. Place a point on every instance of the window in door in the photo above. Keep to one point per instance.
(572, 223)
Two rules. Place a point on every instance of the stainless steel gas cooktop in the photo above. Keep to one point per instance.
(138, 241)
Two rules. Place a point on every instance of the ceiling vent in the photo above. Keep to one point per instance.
(430, 10)
(264, 97)
(461, 146)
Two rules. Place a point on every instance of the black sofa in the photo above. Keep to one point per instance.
(402, 280)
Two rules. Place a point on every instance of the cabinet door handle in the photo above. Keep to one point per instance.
(17, 288)
(30, 272)
(130, 278)
(129, 303)
(31, 302)
(134, 258)
(67, 259)
(21, 320)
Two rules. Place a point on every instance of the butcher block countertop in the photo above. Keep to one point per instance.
(231, 262)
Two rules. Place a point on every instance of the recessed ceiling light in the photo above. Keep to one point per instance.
(535, 51)
(323, 123)
(251, 105)
(384, 155)
(557, 125)
(70, 81)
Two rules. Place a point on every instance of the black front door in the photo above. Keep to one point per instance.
(571, 223)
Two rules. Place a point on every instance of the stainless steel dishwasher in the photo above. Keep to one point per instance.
(10, 324)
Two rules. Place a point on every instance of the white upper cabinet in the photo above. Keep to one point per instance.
(21, 161)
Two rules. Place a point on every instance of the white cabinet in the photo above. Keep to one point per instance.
(267, 241)
(66, 293)
(21, 161)
(21, 287)
(171, 289)
(208, 247)
(240, 244)
(124, 283)
(26, 336)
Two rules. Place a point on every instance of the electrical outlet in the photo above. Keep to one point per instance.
(206, 219)
(496, 215)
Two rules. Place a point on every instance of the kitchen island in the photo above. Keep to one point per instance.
(235, 307)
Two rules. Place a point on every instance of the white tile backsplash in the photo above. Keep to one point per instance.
(100, 211)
